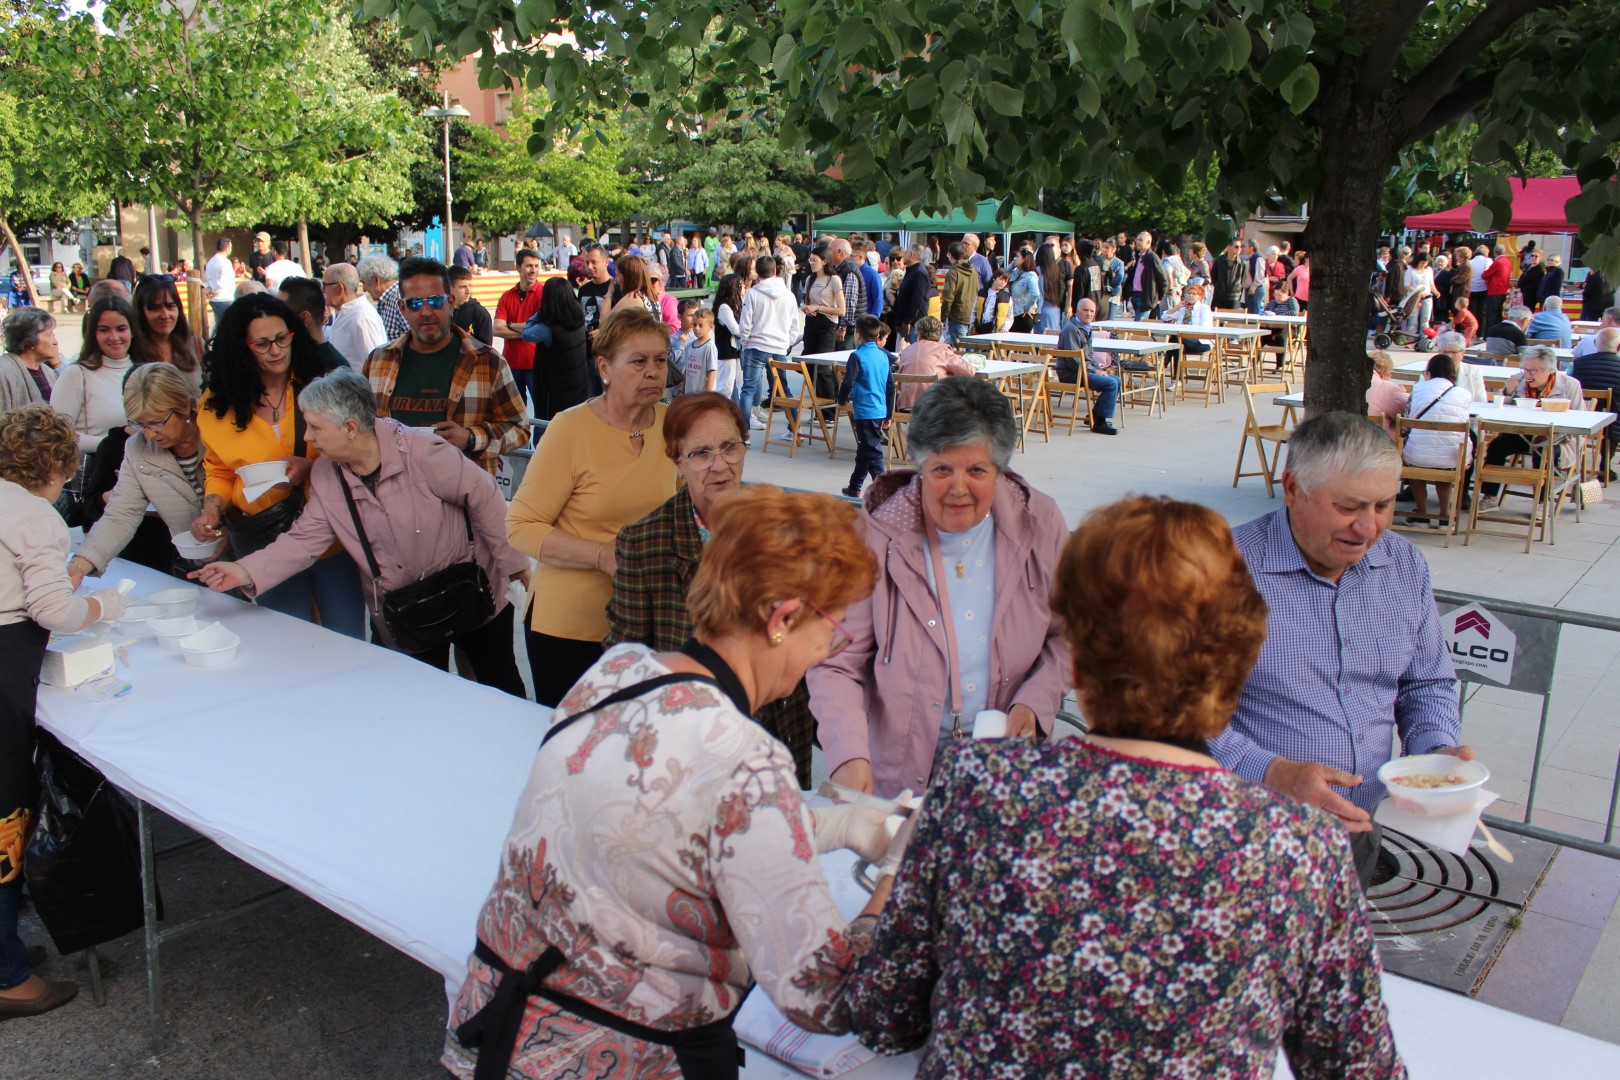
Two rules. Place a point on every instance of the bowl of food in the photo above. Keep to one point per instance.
(211, 647)
(1555, 404)
(136, 621)
(1433, 785)
(169, 631)
(175, 602)
(196, 550)
(1525, 403)
(263, 472)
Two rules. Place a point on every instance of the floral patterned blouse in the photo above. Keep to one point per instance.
(662, 845)
(1066, 911)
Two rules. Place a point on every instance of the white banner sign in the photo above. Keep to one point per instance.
(1480, 643)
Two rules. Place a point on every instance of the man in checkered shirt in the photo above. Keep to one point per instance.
(1354, 654)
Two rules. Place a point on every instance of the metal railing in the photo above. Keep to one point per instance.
(1523, 659)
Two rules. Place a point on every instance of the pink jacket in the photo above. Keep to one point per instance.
(925, 357)
(884, 697)
(414, 521)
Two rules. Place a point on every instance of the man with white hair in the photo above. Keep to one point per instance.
(1589, 343)
(356, 327)
(1354, 654)
(1507, 337)
(379, 276)
(1551, 323)
(838, 253)
(980, 264)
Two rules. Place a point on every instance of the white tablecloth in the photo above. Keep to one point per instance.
(366, 780)
(383, 789)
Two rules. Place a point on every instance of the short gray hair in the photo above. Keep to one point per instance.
(1612, 314)
(23, 326)
(1608, 339)
(341, 273)
(342, 394)
(378, 268)
(1339, 444)
(1553, 303)
(1540, 354)
(961, 411)
(930, 328)
(1518, 313)
(1450, 340)
(919, 252)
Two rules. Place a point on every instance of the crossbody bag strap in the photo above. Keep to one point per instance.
(365, 541)
(943, 593)
(627, 693)
(300, 447)
(1436, 400)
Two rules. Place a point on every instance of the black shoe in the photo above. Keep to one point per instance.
(850, 492)
(1103, 427)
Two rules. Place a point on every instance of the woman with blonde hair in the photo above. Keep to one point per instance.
(661, 859)
(1119, 904)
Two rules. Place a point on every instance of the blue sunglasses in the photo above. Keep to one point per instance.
(414, 303)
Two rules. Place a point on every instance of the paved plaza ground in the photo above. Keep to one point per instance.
(295, 991)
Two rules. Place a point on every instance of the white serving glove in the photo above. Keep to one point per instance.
(896, 852)
(111, 601)
(847, 827)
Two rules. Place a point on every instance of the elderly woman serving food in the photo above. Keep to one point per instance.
(661, 860)
(927, 660)
(1119, 905)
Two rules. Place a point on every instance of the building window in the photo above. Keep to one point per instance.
(503, 106)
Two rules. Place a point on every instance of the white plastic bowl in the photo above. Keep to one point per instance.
(211, 647)
(190, 547)
(263, 472)
(1525, 403)
(175, 602)
(1434, 802)
(137, 621)
(170, 631)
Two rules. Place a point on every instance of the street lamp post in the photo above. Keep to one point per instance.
(447, 113)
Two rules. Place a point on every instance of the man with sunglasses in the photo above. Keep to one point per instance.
(438, 376)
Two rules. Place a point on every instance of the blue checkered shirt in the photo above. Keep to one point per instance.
(1344, 667)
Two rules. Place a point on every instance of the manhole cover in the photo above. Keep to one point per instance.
(1439, 919)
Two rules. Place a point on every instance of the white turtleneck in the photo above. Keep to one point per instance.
(92, 400)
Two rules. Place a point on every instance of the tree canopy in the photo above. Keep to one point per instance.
(941, 104)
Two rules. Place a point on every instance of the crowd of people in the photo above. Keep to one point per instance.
(712, 632)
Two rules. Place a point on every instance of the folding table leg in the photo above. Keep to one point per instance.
(92, 963)
(154, 975)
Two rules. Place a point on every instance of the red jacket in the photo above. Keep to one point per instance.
(1498, 276)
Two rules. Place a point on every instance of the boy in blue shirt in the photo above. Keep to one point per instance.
(869, 383)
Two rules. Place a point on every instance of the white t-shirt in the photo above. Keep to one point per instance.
(1477, 267)
(279, 271)
(220, 277)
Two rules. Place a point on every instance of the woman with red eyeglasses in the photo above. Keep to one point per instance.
(261, 358)
(661, 858)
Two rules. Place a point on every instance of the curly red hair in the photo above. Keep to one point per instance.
(37, 445)
(1161, 616)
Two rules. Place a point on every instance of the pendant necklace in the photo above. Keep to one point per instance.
(275, 410)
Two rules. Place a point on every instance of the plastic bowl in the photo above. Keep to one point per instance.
(263, 472)
(170, 631)
(1555, 404)
(175, 602)
(211, 647)
(1525, 403)
(1434, 802)
(137, 621)
(191, 548)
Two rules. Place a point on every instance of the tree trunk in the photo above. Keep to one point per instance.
(196, 296)
(17, 256)
(303, 247)
(1356, 157)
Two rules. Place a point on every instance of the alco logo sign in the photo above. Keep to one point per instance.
(1480, 643)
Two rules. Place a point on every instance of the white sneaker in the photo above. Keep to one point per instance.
(755, 424)
(786, 436)
(758, 412)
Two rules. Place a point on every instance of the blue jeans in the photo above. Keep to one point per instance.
(334, 585)
(1051, 317)
(1105, 392)
(13, 953)
(754, 380)
(956, 331)
(1252, 302)
(1143, 310)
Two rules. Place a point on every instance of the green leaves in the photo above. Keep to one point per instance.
(1004, 99)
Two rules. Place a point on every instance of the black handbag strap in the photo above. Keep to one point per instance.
(365, 541)
(635, 690)
(1436, 401)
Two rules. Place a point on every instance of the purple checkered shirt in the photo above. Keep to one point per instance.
(1342, 665)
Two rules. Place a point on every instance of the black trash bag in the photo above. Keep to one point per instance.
(83, 864)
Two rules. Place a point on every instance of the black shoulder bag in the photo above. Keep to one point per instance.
(430, 612)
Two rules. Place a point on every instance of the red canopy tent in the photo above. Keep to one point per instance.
(1538, 207)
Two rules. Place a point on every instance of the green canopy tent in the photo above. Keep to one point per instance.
(874, 218)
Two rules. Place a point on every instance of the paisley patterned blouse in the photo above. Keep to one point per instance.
(661, 844)
(1065, 911)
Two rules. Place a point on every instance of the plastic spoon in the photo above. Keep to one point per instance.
(1497, 847)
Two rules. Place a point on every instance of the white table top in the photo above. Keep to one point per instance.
(1131, 347)
(1574, 422)
(1148, 327)
(1260, 320)
(1008, 337)
(993, 369)
(1562, 353)
(1413, 372)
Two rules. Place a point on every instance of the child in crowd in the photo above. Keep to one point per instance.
(679, 342)
(869, 383)
(998, 294)
(702, 358)
(1463, 321)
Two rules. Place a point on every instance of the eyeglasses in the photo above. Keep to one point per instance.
(729, 452)
(414, 303)
(265, 346)
(155, 425)
(842, 639)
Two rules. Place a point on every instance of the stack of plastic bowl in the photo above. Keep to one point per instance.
(211, 647)
(169, 631)
(175, 602)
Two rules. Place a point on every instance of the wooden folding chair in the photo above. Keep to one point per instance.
(898, 453)
(794, 406)
(1449, 518)
(1139, 386)
(1262, 434)
(1057, 391)
(1597, 449)
(1201, 366)
(1554, 342)
(1515, 471)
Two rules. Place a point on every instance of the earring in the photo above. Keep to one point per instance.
(776, 638)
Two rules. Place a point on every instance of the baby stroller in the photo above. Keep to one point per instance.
(1387, 323)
